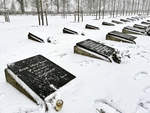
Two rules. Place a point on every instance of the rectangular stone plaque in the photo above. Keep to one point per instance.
(133, 30)
(39, 75)
(119, 36)
(95, 49)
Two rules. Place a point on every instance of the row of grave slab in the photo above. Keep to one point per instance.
(39, 78)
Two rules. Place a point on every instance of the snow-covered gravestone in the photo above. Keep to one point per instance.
(144, 27)
(96, 50)
(121, 37)
(116, 22)
(88, 26)
(38, 78)
(124, 20)
(133, 30)
(108, 24)
(35, 38)
(145, 23)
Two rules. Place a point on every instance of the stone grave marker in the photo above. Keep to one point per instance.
(96, 50)
(146, 23)
(139, 26)
(88, 26)
(116, 22)
(108, 24)
(121, 37)
(35, 38)
(130, 19)
(69, 31)
(124, 20)
(37, 78)
(133, 30)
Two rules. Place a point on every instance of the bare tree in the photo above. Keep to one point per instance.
(21, 2)
(6, 12)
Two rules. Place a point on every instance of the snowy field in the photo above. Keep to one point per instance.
(98, 84)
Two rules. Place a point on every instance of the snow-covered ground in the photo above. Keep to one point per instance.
(98, 84)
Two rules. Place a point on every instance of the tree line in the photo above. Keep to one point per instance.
(79, 8)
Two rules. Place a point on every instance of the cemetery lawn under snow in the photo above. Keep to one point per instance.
(115, 88)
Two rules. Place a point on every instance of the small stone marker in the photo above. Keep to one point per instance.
(148, 20)
(96, 50)
(37, 77)
(69, 31)
(121, 37)
(146, 23)
(130, 19)
(124, 20)
(91, 27)
(139, 26)
(133, 30)
(108, 24)
(135, 18)
(116, 22)
(35, 38)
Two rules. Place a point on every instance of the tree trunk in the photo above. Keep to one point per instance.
(42, 16)
(38, 11)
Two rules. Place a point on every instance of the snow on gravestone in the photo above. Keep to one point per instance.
(133, 30)
(37, 77)
(97, 50)
(121, 37)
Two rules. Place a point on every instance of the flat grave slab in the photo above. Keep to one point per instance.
(130, 19)
(139, 26)
(146, 23)
(37, 77)
(88, 26)
(96, 50)
(108, 24)
(116, 22)
(124, 20)
(69, 31)
(133, 30)
(35, 38)
(121, 37)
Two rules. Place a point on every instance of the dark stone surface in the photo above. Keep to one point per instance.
(35, 38)
(87, 26)
(130, 19)
(140, 26)
(69, 31)
(122, 35)
(146, 23)
(124, 20)
(108, 24)
(96, 47)
(134, 29)
(41, 74)
(117, 22)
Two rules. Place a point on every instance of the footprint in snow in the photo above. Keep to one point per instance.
(141, 75)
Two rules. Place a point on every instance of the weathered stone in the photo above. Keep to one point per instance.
(121, 37)
(146, 23)
(35, 38)
(108, 24)
(69, 31)
(132, 30)
(96, 50)
(37, 77)
(117, 22)
(124, 20)
(91, 27)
